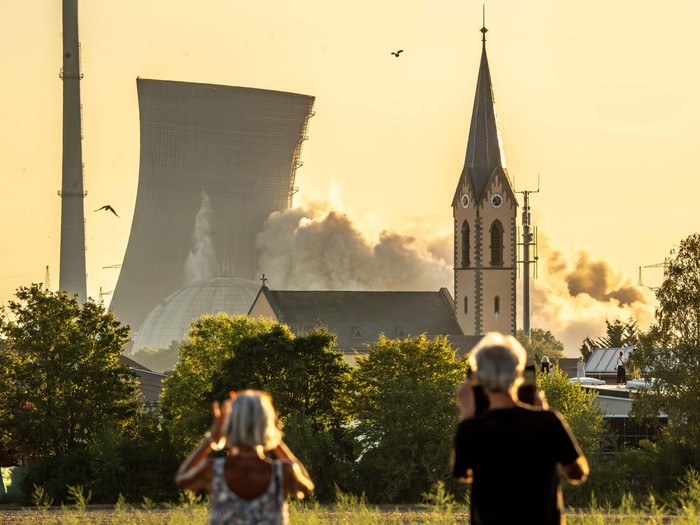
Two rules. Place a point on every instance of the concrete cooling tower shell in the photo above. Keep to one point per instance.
(215, 162)
(170, 320)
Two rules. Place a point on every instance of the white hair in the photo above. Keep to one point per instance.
(253, 421)
(497, 361)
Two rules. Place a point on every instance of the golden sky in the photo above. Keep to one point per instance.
(599, 98)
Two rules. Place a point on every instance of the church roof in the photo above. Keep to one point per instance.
(358, 317)
(484, 149)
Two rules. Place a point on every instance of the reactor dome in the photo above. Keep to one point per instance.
(170, 320)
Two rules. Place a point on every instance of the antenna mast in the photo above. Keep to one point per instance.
(528, 240)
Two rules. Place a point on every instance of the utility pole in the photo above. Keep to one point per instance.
(528, 240)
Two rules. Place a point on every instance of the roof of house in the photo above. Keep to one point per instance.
(358, 317)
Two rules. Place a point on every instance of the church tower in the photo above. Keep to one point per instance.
(485, 209)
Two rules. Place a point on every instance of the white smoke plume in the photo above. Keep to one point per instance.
(313, 247)
(201, 261)
(574, 295)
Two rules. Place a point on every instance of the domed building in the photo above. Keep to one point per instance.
(170, 320)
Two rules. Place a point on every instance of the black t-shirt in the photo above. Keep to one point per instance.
(513, 454)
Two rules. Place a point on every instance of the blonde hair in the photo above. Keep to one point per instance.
(497, 361)
(252, 421)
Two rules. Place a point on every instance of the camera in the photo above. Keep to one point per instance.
(481, 400)
(528, 388)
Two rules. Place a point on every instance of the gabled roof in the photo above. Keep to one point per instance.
(358, 317)
(484, 148)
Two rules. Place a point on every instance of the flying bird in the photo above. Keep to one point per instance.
(397, 53)
(107, 207)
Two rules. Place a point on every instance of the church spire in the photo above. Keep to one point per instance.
(484, 151)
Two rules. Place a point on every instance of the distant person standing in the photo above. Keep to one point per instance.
(545, 365)
(580, 368)
(621, 373)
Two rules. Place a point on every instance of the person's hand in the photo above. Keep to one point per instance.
(540, 400)
(220, 413)
(465, 400)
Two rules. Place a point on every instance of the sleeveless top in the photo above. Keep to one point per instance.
(228, 508)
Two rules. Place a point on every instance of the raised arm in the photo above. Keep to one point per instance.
(195, 473)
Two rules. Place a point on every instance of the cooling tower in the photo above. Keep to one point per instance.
(215, 162)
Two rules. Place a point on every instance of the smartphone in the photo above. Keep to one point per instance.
(528, 388)
(481, 400)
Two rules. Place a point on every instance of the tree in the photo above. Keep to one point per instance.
(60, 378)
(670, 351)
(304, 373)
(188, 393)
(540, 343)
(618, 334)
(578, 405)
(402, 402)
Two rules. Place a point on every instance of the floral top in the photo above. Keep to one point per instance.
(227, 508)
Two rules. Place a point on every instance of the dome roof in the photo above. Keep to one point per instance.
(170, 320)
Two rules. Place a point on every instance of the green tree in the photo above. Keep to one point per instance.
(189, 391)
(578, 405)
(304, 373)
(618, 334)
(540, 343)
(60, 379)
(670, 351)
(402, 401)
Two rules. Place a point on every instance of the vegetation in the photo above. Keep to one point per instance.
(670, 352)
(304, 374)
(439, 508)
(159, 359)
(618, 334)
(578, 405)
(402, 401)
(60, 378)
(540, 343)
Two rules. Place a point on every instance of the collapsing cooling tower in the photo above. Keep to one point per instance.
(215, 162)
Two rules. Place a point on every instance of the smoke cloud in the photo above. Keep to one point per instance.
(313, 247)
(201, 261)
(574, 295)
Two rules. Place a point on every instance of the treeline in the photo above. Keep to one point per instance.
(383, 427)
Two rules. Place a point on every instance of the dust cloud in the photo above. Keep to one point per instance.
(201, 261)
(317, 247)
(576, 293)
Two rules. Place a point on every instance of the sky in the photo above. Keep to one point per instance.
(597, 104)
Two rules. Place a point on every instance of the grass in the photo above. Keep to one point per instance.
(440, 509)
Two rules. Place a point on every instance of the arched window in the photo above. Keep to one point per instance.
(466, 304)
(465, 244)
(496, 305)
(496, 243)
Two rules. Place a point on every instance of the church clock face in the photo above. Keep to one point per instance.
(465, 200)
(496, 200)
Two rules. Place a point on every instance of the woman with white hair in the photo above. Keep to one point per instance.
(245, 487)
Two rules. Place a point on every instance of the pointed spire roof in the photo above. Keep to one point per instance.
(484, 149)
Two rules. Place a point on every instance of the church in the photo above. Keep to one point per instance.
(485, 261)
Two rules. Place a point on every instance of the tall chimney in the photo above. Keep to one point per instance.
(72, 270)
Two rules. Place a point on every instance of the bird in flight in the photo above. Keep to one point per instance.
(397, 53)
(107, 207)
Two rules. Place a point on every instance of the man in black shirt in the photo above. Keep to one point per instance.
(510, 453)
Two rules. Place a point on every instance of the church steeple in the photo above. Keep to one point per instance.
(484, 149)
(484, 208)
